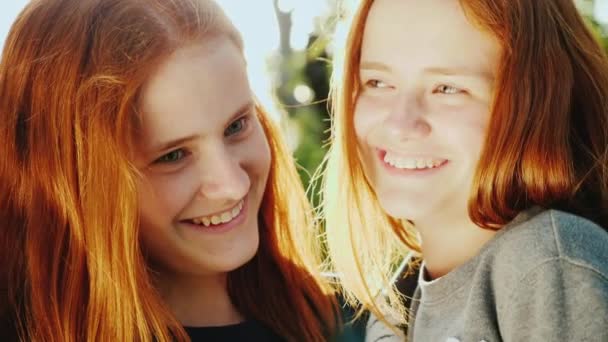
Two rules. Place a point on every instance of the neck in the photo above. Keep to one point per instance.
(450, 242)
(199, 301)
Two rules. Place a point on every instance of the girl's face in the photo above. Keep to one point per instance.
(421, 114)
(205, 161)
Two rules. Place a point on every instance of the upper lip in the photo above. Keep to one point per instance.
(217, 212)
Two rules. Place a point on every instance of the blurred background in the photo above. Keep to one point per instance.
(289, 48)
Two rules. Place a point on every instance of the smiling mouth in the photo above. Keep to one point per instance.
(410, 163)
(219, 218)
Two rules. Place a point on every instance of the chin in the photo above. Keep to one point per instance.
(227, 265)
(403, 208)
(238, 257)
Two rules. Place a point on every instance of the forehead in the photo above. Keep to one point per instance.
(421, 32)
(196, 89)
(201, 74)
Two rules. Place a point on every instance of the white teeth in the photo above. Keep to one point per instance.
(406, 163)
(215, 219)
(411, 163)
(224, 217)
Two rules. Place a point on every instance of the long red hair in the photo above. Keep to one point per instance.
(547, 142)
(70, 77)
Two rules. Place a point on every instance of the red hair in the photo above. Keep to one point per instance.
(548, 138)
(70, 78)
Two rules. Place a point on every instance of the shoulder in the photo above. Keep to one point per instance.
(551, 235)
(579, 240)
(548, 250)
(555, 286)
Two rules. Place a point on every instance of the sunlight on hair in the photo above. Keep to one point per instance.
(346, 11)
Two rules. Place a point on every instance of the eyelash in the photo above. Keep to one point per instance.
(373, 83)
(165, 160)
(244, 120)
(442, 89)
(451, 90)
(182, 153)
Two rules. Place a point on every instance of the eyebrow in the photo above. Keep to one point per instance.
(180, 141)
(370, 65)
(449, 71)
(460, 71)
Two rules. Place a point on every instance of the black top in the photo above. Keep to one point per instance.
(246, 331)
(255, 331)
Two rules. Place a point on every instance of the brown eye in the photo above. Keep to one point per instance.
(375, 84)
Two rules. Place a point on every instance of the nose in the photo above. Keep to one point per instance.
(406, 120)
(222, 177)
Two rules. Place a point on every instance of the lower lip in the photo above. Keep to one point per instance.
(223, 227)
(409, 172)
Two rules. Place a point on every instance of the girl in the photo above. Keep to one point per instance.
(138, 201)
(476, 134)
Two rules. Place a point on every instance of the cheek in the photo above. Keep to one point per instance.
(262, 158)
(366, 119)
(255, 154)
(466, 128)
(162, 197)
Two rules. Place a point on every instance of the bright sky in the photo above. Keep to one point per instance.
(8, 11)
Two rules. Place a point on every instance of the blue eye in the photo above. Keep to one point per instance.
(172, 157)
(236, 127)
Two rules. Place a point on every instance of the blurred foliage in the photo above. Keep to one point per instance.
(598, 30)
(311, 119)
(310, 68)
